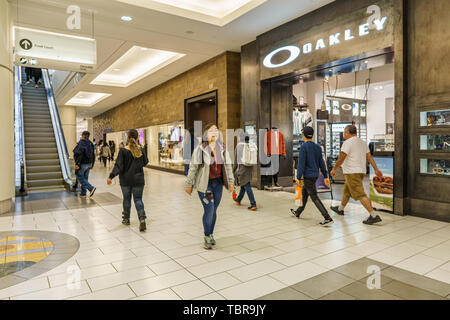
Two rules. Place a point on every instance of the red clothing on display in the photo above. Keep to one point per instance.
(274, 143)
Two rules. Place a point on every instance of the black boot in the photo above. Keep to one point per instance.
(125, 218)
(142, 224)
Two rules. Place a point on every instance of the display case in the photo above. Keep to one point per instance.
(384, 143)
(435, 118)
(435, 142)
(170, 149)
(437, 167)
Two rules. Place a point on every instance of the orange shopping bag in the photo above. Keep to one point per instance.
(298, 194)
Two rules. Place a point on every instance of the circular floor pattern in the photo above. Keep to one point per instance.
(27, 254)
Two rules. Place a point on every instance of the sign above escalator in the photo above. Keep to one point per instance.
(49, 50)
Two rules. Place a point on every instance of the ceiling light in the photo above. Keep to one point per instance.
(126, 18)
(144, 49)
(87, 99)
(116, 69)
(135, 65)
(217, 12)
(366, 62)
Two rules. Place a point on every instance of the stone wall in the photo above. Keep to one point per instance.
(165, 103)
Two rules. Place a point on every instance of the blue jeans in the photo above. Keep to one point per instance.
(136, 193)
(247, 188)
(83, 177)
(210, 201)
(186, 169)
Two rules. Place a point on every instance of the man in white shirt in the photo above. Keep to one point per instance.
(354, 156)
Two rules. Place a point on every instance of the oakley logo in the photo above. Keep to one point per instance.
(375, 22)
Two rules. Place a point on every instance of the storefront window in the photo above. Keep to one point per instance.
(434, 142)
(435, 118)
(170, 146)
(437, 167)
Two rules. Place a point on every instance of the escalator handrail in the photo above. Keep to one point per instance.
(18, 118)
(57, 128)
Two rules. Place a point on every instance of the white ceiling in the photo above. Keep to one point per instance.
(199, 41)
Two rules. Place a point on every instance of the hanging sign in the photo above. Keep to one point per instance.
(54, 50)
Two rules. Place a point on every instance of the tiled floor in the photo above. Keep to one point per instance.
(267, 254)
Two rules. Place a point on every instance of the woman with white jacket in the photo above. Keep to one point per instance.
(209, 171)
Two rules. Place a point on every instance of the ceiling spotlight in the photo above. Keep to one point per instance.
(366, 62)
(126, 18)
(116, 70)
(144, 49)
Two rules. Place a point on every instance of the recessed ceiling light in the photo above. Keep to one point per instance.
(126, 18)
(135, 65)
(366, 62)
(87, 99)
(116, 69)
(144, 49)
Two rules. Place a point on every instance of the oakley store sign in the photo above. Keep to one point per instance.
(365, 32)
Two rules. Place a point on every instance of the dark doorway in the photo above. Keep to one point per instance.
(201, 108)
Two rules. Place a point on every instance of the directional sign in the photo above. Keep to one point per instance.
(26, 44)
(23, 60)
(57, 51)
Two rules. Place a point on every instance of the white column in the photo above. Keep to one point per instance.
(7, 189)
(68, 116)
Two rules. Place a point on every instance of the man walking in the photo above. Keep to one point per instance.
(354, 156)
(246, 156)
(310, 160)
(84, 161)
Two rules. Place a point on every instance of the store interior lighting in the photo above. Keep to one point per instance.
(135, 65)
(87, 99)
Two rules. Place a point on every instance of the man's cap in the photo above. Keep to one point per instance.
(308, 132)
(86, 133)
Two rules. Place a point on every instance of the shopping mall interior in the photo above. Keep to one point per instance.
(112, 103)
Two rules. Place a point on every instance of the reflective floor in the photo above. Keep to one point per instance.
(267, 254)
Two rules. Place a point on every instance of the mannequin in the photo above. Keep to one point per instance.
(274, 146)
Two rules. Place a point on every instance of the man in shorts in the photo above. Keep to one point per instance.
(354, 156)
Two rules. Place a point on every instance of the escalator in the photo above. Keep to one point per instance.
(40, 144)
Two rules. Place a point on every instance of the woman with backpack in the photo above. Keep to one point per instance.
(129, 166)
(105, 153)
(210, 170)
(246, 154)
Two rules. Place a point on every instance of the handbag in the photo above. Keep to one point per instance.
(298, 193)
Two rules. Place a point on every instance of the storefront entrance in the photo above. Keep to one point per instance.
(357, 90)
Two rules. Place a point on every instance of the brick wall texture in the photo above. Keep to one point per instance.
(165, 103)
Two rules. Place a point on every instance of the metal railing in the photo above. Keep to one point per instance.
(19, 135)
(58, 131)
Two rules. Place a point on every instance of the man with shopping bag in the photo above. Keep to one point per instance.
(310, 160)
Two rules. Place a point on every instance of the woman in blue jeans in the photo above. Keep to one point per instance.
(129, 167)
(209, 171)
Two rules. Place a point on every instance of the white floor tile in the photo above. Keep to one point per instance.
(191, 261)
(420, 264)
(220, 281)
(114, 279)
(427, 240)
(134, 262)
(166, 294)
(256, 270)
(296, 257)
(97, 271)
(336, 259)
(57, 293)
(252, 289)
(298, 273)
(258, 255)
(122, 292)
(107, 258)
(214, 267)
(367, 248)
(158, 283)
(25, 287)
(441, 251)
(192, 290)
(212, 296)
(439, 274)
(165, 267)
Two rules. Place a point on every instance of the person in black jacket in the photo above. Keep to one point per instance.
(37, 74)
(84, 161)
(129, 166)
